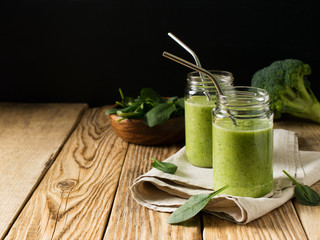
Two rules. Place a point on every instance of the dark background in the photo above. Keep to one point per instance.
(83, 51)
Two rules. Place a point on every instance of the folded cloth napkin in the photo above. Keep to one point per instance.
(166, 192)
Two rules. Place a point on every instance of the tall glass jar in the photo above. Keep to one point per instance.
(242, 134)
(199, 101)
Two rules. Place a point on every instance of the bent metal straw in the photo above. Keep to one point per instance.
(201, 70)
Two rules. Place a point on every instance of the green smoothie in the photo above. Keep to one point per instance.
(198, 125)
(243, 157)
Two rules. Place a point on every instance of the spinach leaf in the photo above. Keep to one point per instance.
(111, 111)
(149, 106)
(159, 114)
(127, 101)
(135, 110)
(164, 166)
(148, 93)
(192, 206)
(132, 108)
(125, 115)
(172, 99)
(304, 194)
(307, 195)
(180, 103)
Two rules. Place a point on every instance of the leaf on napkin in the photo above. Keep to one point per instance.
(304, 194)
(191, 207)
(164, 166)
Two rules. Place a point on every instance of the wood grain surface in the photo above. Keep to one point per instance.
(86, 193)
(281, 223)
(31, 136)
(129, 220)
(308, 132)
(309, 140)
(75, 197)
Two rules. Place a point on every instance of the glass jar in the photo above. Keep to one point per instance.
(199, 101)
(242, 142)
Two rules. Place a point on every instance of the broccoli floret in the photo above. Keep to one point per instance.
(289, 90)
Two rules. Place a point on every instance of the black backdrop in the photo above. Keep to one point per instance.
(84, 50)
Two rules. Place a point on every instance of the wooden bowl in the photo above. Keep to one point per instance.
(135, 131)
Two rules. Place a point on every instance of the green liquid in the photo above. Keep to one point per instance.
(243, 158)
(198, 125)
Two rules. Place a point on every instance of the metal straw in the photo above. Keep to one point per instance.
(194, 55)
(194, 67)
(201, 70)
(186, 48)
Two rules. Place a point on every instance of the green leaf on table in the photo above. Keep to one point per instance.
(192, 206)
(159, 114)
(304, 194)
(164, 166)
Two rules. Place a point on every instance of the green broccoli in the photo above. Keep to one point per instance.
(289, 90)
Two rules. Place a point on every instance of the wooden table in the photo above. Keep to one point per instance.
(64, 174)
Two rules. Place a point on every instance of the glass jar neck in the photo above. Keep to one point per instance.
(244, 103)
(201, 83)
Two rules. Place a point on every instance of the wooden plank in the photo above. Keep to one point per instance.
(281, 223)
(310, 216)
(309, 139)
(31, 136)
(129, 220)
(308, 133)
(74, 199)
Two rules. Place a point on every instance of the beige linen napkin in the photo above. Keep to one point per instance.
(166, 192)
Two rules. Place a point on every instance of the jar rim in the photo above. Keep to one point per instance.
(243, 96)
(218, 72)
(246, 87)
(223, 77)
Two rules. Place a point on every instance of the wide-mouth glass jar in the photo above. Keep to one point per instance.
(199, 98)
(242, 142)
